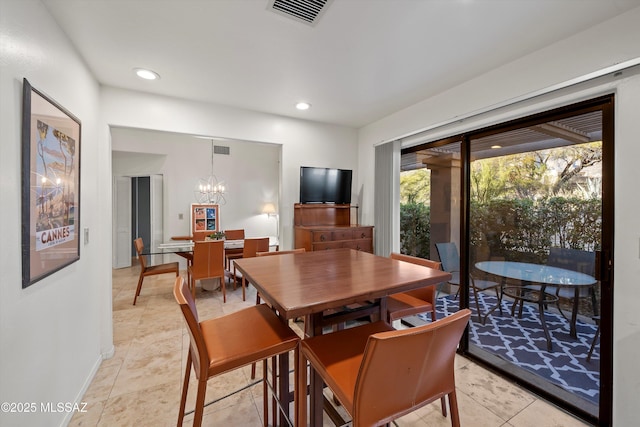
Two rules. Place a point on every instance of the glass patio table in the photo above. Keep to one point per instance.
(534, 279)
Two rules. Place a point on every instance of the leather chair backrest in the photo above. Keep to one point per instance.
(449, 257)
(234, 234)
(427, 293)
(406, 369)
(416, 260)
(208, 259)
(197, 348)
(139, 248)
(253, 246)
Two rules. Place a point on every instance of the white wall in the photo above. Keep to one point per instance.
(250, 174)
(304, 143)
(50, 340)
(602, 46)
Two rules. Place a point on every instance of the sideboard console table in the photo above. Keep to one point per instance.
(319, 227)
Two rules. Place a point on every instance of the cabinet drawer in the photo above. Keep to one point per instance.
(345, 234)
(365, 245)
(327, 245)
(363, 233)
(321, 236)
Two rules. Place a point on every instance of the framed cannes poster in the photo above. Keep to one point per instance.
(50, 186)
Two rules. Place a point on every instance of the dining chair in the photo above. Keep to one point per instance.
(379, 374)
(413, 302)
(208, 263)
(222, 344)
(260, 254)
(250, 249)
(151, 270)
(230, 254)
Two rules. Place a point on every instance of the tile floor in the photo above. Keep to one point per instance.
(140, 385)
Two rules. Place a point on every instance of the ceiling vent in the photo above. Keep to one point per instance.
(306, 11)
(221, 149)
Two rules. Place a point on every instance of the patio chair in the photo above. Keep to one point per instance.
(450, 259)
(575, 260)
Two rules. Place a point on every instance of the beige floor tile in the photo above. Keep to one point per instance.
(491, 391)
(138, 374)
(151, 406)
(541, 413)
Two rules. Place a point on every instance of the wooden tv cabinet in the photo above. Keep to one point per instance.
(319, 227)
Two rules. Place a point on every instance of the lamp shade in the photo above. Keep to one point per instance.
(269, 209)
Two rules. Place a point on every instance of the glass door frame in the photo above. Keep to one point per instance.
(604, 260)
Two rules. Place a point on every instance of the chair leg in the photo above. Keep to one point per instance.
(443, 404)
(274, 383)
(296, 387)
(193, 287)
(265, 391)
(594, 302)
(199, 412)
(185, 388)
(453, 405)
(243, 289)
(223, 285)
(234, 276)
(138, 289)
(301, 390)
(593, 343)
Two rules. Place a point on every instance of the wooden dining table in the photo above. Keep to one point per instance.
(330, 287)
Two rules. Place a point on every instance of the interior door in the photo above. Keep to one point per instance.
(122, 217)
(156, 216)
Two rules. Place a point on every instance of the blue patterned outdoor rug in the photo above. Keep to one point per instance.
(522, 342)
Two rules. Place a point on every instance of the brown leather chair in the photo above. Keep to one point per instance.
(413, 302)
(208, 263)
(379, 374)
(230, 254)
(151, 270)
(222, 344)
(293, 251)
(250, 249)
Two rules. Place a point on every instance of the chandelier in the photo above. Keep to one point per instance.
(210, 190)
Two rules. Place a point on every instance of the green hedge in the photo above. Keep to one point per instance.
(415, 230)
(524, 230)
(514, 229)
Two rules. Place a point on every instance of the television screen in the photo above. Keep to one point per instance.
(325, 185)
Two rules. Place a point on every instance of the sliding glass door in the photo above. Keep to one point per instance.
(522, 214)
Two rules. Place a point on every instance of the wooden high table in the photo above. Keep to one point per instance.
(311, 284)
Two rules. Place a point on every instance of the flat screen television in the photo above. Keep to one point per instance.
(325, 185)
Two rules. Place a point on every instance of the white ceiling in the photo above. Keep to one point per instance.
(363, 59)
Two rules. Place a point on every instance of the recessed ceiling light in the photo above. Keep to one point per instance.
(146, 74)
(496, 146)
(303, 105)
